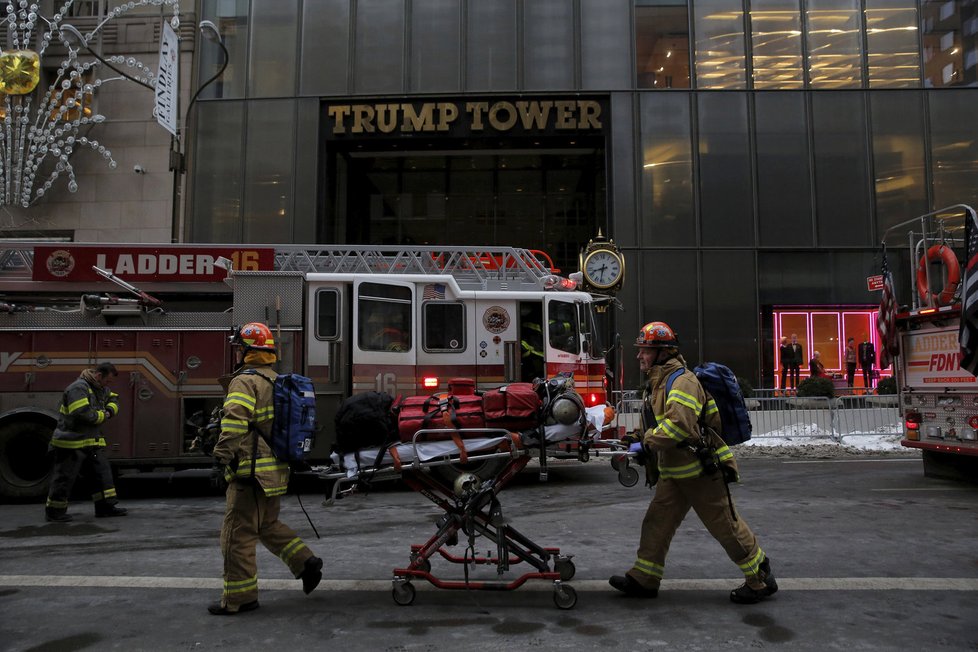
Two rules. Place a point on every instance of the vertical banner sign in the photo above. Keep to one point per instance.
(168, 79)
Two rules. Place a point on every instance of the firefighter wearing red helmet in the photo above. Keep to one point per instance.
(690, 466)
(255, 479)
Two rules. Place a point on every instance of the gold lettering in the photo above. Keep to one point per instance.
(447, 112)
(423, 121)
(502, 125)
(565, 114)
(590, 114)
(534, 114)
(387, 117)
(363, 119)
(477, 109)
(338, 114)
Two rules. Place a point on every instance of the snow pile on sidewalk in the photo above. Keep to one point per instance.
(810, 441)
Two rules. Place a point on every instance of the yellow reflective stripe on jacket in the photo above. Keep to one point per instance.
(78, 443)
(674, 431)
(240, 398)
(290, 549)
(676, 396)
(264, 414)
(711, 408)
(681, 472)
(261, 464)
(724, 453)
(74, 406)
(234, 425)
(241, 586)
(753, 565)
(649, 568)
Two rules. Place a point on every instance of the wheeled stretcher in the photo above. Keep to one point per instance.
(471, 505)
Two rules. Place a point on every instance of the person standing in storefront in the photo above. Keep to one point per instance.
(784, 355)
(850, 362)
(867, 360)
(794, 361)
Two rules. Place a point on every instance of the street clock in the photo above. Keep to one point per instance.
(602, 265)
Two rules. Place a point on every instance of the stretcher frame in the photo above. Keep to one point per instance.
(474, 512)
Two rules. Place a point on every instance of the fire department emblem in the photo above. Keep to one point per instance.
(495, 319)
(60, 263)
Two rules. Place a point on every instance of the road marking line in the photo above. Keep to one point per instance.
(930, 489)
(910, 459)
(785, 584)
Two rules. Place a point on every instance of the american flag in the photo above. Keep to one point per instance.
(434, 291)
(886, 320)
(968, 334)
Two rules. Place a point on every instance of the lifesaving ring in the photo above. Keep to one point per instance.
(944, 254)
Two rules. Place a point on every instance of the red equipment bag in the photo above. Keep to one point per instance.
(440, 411)
(515, 407)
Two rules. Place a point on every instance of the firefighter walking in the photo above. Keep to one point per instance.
(77, 443)
(692, 466)
(256, 480)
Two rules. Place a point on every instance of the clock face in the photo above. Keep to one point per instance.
(602, 268)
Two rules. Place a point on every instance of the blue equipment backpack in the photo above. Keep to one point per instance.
(721, 384)
(294, 426)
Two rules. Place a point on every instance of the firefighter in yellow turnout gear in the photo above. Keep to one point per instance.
(670, 439)
(256, 480)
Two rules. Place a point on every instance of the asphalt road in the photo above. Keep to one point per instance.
(869, 554)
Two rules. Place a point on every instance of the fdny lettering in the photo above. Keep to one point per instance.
(163, 264)
(6, 359)
(438, 116)
(944, 362)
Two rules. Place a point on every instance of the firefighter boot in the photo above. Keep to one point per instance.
(311, 574)
(764, 586)
(219, 610)
(56, 515)
(627, 585)
(104, 509)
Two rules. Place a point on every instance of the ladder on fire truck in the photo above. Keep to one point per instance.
(482, 268)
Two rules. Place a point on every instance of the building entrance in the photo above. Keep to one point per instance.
(522, 194)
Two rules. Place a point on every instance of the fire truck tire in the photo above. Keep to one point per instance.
(25, 466)
(947, 466)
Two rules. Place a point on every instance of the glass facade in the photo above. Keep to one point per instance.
(748, 155)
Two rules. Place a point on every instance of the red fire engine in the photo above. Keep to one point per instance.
(354, 319)
(938, 399)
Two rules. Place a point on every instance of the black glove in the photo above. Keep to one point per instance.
(217, 478)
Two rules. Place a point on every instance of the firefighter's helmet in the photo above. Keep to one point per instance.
(657, 334)
(255, 336)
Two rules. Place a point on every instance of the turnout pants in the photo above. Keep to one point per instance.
(249, 517)
(708, 498)
(69, 464)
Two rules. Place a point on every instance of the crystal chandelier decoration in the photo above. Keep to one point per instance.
(40, 129)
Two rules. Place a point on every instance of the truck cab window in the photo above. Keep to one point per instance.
(327, 314)
(384, 317)
(444, 327)
(563, 327)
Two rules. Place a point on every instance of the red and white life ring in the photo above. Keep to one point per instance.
(944, 254)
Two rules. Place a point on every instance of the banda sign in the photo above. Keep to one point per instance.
(143, 264)
(874, 283)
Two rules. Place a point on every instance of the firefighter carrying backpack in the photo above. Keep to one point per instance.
(721, 384)
(294, 425)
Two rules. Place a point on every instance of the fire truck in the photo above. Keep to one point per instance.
(353, 318)
(938, 399)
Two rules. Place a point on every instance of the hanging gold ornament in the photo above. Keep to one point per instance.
(20, 71)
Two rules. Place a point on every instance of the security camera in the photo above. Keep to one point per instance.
(138, 169)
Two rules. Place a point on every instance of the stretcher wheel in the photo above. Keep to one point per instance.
(566, 569)
(628, 476)
(565, 597)
(403, 593)
(425, 565)
(616, 461)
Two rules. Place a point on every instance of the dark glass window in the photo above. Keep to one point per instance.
(271, 71)
(891, 43)
(834, 37)
(435, 45)
(719, 56)
(950, 43)
(605, 51)
(954, 149)
(384, 316)
(548, 44)
(269, 166)
(662, 44)
(667, 171)
(563, 327)
(379, 47)
(490, 57)
(841, 169)
(444, 327)
(325, 47)
(217, 185)
(898, 157)
(327, 314)
(730, 311)
(231, 18)
(669, 291)
(725, 181)
(784, 192)
(776, 44)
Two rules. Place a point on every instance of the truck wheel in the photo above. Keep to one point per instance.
(25, 466)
